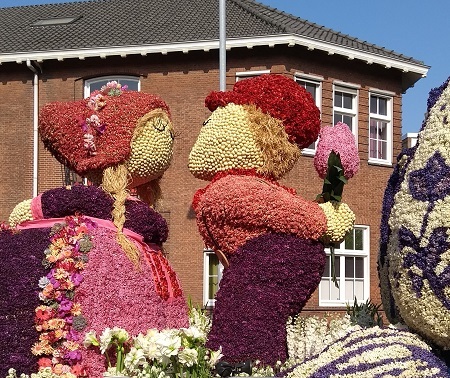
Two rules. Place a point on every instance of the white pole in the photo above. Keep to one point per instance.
(222, 46)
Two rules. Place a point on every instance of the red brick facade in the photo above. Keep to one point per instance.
(183, 81)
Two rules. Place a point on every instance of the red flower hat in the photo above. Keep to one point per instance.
(281, 98)
(62, 126)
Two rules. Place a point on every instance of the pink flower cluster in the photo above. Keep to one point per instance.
(237, 208)
(116, 294)
(340, 140)
(54, 319)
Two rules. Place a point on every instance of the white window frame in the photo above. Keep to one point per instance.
(353, 112)
(207, 253)
(118, 78)
(342, 252)
(386, 119)
(317, 81)
(247, 74)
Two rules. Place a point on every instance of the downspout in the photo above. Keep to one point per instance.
(35, 125)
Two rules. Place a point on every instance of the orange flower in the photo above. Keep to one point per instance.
(76, 309)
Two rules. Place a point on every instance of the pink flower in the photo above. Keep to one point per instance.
(340, 140)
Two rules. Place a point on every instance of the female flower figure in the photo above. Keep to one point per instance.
(90, 257)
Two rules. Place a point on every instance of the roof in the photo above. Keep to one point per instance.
(123, 27)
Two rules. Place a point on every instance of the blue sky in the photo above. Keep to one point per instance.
(409, 27)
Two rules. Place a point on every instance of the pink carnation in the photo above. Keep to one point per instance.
(340, 140)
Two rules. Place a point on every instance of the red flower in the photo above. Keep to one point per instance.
(44, 362)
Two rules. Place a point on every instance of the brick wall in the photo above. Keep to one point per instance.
(183, 81)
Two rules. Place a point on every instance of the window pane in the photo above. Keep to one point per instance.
(349, 121)
(382, 130)
(373, 149)
(213, 265)
(334, 292)
(359, 289)
(348, 101)
(358, 239)
(326, 271)
(325, 289)
(338, 99)
(349, 267)
(382, 103)
(337, 266)
(349, 290)
(212, 287)
(337, 118)
(382, 150)
(349, 241)
(133, 85)
(359, 267)
(373, 104)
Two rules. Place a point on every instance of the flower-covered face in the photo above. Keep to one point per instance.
(151, 147)
(225, 142)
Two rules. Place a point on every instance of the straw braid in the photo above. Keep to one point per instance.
(115, 182)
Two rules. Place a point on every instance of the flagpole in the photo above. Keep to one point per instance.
(222, 46)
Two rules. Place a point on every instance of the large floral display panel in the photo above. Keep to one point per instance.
(80, 260)
(415, 250)
(269, 239)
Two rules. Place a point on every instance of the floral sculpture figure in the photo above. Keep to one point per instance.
(414, 262)
(86, 258)
(269, 238)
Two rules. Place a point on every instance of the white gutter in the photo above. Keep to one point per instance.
(35, 125)
(185, 47)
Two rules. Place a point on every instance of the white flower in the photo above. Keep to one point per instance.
(194, 332)
(135, 357)
(188, 356)
(90, 339)
(105, 339)
(168, 343)
(215, 356)
(119, 334)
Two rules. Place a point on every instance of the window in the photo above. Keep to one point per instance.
(96, 83)
(345, 107)
(315, 88)
(351, 269)
(380, 129)
(212, 273)
(249, 74)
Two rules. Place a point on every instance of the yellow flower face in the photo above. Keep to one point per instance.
(151, 147)
(225, 142)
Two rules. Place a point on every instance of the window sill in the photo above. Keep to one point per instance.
(383, 163)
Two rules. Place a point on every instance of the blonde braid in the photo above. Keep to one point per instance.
(115, 182)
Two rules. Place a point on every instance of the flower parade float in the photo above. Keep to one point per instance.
(270, 240)
(78, 260)
(414, 259)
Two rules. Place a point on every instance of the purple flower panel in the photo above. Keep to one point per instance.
(270, 278)
(21, 267)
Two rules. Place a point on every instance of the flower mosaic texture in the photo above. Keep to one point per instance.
(414, 261)
(373, 353)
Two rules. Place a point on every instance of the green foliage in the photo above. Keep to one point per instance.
(365, 314)
(333, 184)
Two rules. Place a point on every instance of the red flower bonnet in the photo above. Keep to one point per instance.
(281, 98)
(61, 129)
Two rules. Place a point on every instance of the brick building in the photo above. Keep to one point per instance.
(61, 52)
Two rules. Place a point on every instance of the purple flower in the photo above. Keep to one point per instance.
(427, 259)
(76, 278)
(432, 182)
(73, 355)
